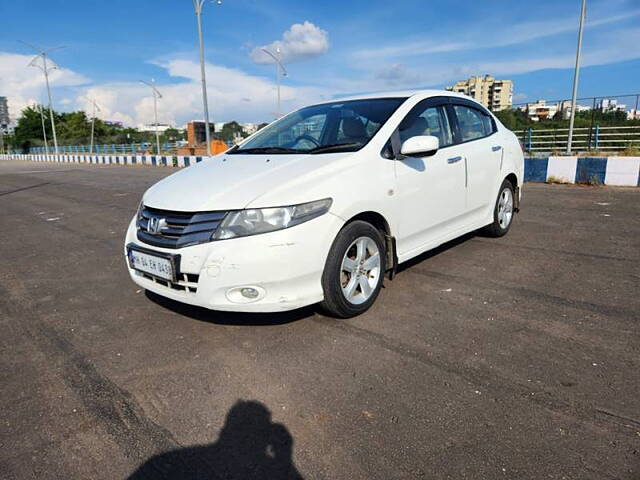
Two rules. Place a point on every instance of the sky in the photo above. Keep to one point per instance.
(330, 48)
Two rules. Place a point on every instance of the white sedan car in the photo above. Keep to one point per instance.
(321, 205)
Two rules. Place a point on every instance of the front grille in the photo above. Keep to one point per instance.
(176, 229)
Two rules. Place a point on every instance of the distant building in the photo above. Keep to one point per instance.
(4, 116)
(540, 110)
(494, 94)
(565, 108)
(197, 133)
(633, 114)
(197, 140)
(610, 105)
(249, 128)
(151, 127)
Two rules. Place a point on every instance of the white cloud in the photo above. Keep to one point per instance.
(233, 95)
(611, 47)
(397, 74)
(302, 41)
(409, 48)
(614, 47)
(519, 33)
(24, 85)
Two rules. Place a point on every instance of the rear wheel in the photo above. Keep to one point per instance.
(353, 274)
(502, 212)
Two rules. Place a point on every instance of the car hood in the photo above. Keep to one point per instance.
(231, 182)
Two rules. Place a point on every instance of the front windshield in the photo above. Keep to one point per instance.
(329, 127)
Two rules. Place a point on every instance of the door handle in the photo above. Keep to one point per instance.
(454, 159)
(496, 148)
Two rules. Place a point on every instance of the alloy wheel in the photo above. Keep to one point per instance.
(505, 208)
(360, 270)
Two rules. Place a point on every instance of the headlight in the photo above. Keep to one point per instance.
(262, 220)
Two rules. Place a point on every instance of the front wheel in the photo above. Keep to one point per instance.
(353, 273)
(502, 212)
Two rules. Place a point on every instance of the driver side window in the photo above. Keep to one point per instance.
(428, 121)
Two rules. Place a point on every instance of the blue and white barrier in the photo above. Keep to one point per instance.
(151, 160)
(620, 171)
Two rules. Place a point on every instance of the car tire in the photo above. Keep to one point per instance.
(503, 211)
(354, 270)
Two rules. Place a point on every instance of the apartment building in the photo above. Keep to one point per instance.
(540, 110)
(610, 105)
(494, 94)
(4, 115)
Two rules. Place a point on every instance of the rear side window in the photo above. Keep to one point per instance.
(473, 123)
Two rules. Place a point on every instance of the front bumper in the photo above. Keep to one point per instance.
(284, 266)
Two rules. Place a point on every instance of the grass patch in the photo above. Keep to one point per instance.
(557, 180)
(632, 150)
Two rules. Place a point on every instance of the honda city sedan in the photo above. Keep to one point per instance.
(323, 204)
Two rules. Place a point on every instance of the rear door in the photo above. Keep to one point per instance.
(479, 144)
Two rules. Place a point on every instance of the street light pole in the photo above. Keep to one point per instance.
(197, 4)
(53, 123)
(156, 95)
(279, 68)
(93, 121)
(576, 75)
(44, 131)
(42, 53)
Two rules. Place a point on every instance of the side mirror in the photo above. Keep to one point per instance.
(420, 146)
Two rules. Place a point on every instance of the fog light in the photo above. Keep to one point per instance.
(250, 293)
(246, 294)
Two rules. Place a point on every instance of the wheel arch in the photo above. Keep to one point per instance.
(375, 219)
(380, 222)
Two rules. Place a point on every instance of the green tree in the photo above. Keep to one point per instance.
(28, 130)
(172, 135)
(75, 128)
(513, 119)
(230, 131)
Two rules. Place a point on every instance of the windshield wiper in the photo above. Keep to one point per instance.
(266, 150)
(336, 147)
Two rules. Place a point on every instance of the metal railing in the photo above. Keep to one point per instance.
(167, 148)
(613, 124)
(120, 148)
(606, 139)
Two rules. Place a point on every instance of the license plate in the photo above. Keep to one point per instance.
(151, 264)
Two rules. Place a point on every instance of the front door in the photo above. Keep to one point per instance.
(430, 196)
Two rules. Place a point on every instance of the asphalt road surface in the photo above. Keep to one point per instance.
(486, 359)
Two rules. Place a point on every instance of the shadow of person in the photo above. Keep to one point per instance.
(250, 446)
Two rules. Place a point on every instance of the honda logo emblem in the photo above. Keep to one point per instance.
(156, 225)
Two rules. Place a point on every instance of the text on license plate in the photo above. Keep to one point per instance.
(160, 267)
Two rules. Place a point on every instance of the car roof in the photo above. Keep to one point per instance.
(400, 94)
